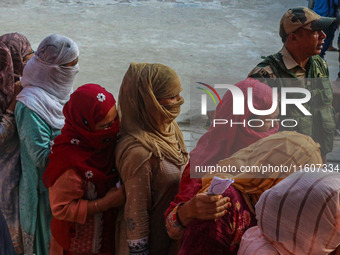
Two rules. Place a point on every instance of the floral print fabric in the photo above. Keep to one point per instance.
(10, 171)
(222, 236)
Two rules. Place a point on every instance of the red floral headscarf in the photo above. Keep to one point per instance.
(80, 146)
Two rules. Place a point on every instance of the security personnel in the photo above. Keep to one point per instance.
(298, 64)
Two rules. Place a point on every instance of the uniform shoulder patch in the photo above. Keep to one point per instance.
(262, 71)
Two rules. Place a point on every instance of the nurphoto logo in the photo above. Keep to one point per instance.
(239, 102)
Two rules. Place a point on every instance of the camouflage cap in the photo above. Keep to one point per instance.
(298, 17)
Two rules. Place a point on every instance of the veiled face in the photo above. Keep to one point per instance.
(28, 56)
(108, 120)
(170, 100)
(72, 63)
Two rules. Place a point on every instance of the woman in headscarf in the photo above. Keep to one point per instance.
(15, 50)
(47, 84)
(150, 155)
(300, 215)
(81, 175)
(219, 143)
(284, 153)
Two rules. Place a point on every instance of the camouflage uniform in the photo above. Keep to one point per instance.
(285, 72)
(321, 125)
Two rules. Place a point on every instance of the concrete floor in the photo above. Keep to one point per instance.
(200, 39)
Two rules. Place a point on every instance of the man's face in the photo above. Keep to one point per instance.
(309, 42)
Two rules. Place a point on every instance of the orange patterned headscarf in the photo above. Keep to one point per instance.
(287, 151)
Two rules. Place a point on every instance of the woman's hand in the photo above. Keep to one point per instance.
(113, 198)
(204, 207)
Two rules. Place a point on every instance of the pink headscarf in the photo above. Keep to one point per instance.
(13, 47)
(222, 141)
(219, 143)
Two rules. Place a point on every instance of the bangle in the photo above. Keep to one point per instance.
(177, 217)
(9, 113)
(97, 207)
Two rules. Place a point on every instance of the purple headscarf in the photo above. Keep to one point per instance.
(13, 47)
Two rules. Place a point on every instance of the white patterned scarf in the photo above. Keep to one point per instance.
(47, 83)
(300, 215)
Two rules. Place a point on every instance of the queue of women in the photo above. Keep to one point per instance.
(114, 178)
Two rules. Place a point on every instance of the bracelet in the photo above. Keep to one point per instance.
(9, 113)
(97, 207)
(177, 217)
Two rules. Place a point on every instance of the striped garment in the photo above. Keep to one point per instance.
(300, 215)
